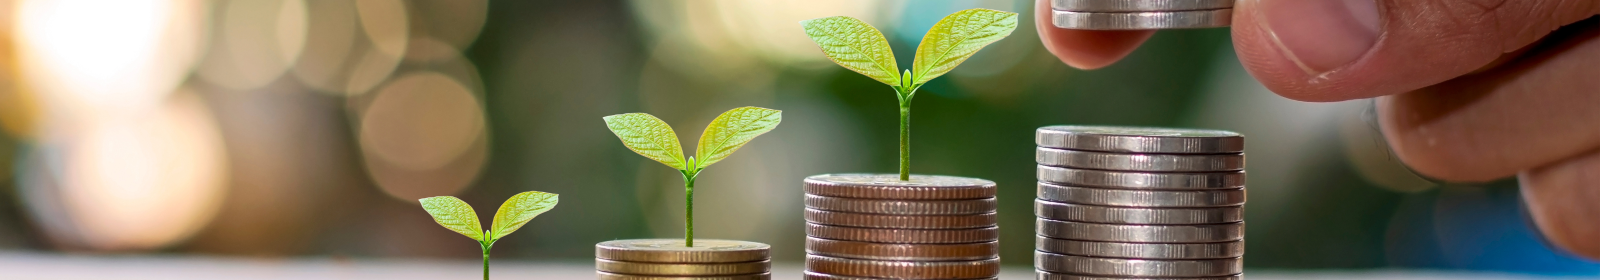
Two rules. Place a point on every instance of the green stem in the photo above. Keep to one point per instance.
(486, 247)
(688, 217)
(905, 142)
(905, 94)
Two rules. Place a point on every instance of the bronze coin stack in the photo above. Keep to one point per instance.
(1139, 203)
(876, 226)
(670, 259)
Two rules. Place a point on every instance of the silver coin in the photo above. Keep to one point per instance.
(1046, 275)
(1139, 5)
(682, 269)
(674, 251)
(889, 186)
(903, 269)
(1144, 216)
(1136, 267)
(819, 276)
(1142, 20)
(602, 275)
(1123, 139)
(1139, 198)
(1159, 251)
(1139, 233)
(1142, 180)
(902, 252)
(904, 236)
(900, 221)
(1138, 162)
(901, 207)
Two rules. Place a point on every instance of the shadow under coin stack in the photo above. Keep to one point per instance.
(669, 259)
(1140, 14)
(874, 226)
(1139, 203)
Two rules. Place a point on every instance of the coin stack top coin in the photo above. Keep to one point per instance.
(875, 226)
(663, 259)
(1139, 203)
(1141, 14)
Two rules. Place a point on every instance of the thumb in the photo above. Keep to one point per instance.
(1332, 50)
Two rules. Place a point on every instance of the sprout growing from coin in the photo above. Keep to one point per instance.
(859, 47)
(654, 139)
(456, 215)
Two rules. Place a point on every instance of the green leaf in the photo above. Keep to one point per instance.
(732, 130)
(519, 209)
(454, 214)
(905, 83)
(957, 37)
(855, 45)
(648, 136)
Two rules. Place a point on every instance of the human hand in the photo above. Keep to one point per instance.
(1468, 90)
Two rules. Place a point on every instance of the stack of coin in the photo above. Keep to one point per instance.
(669, 259)
(1140, 14)
(875, 226)
(1139, 203)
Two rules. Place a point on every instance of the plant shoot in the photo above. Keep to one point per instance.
(654, 139)
(859, 47)
(456, 215)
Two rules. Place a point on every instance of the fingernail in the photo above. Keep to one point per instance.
(1321, 35)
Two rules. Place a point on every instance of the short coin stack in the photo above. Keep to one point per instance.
(1141, 14)
(1139, 203)
(874, 226)
(669, 259)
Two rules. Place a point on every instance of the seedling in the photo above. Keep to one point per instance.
(654, 139)
(456, 215)
(859, 47)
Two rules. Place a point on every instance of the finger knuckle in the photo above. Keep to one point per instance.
(1510, 23)
(1469, 13)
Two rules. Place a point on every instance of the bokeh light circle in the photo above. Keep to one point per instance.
(256, 42)
(136, 182)
(87, 56)
(423, 135)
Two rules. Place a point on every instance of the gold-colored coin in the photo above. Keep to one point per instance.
(819, 276)
(901, 207)
(674, 251)
(903, 269)
(889, 186)
(682, 269)
(848, 219)
(600, 275)
(902, 252)
(904, 236)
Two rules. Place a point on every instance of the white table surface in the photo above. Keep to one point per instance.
(51, 266)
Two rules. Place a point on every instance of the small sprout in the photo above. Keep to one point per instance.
(456, 215)
(857, 46)
(654, 139)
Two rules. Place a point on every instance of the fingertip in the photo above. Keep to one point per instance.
(1410, 124)
(1085, 49)
(1261, 55)
(1560, 199)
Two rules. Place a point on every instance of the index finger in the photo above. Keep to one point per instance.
(1085, 49)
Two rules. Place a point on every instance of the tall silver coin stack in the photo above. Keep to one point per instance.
(875, 226)
(1141, 14)
(669, 259)
(1139, 203)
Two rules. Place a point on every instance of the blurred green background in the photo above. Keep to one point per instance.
(292, 128)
